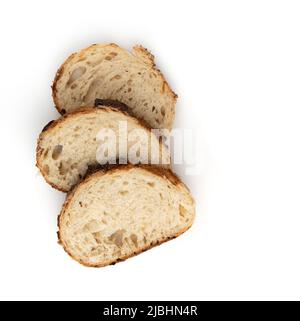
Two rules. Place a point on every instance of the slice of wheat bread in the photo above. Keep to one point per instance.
(115, 214)
(110, 72)
(68, 146)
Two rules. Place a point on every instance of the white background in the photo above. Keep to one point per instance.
(236, 68)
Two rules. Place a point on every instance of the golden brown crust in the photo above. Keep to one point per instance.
(145, 53)
(122, 259)
(151, 58)
(138, 48)
(39, 152)
(156, 170)
(56, 78)
(47, 126)
(122, 108)
(52, 124)
(112, 103)
(84, 110)
(165, 173)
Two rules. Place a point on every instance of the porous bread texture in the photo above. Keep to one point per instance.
(110, 72)
(114, 215)
(68, 146)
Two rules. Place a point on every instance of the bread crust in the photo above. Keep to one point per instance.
(100, 103)
(138, 50)
(165, 173)
(151, 58)
(84, 110)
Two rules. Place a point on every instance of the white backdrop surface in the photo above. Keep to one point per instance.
(235, 66)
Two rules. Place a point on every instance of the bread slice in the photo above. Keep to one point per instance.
(68, 146)
(115, 214)
(110, 72)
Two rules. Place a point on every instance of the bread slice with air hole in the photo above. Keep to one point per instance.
(70, 145)
(110, 72)
(115, 214)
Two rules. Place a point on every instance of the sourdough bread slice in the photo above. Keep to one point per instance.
(115, 214)
(110, 72)
(89, 137)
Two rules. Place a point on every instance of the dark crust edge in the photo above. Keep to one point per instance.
(54, 85)
(112, 103)
(83, 51)
(165, 173)
(151, 58)
(117, 105)
(154, 169)
(84, 110)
